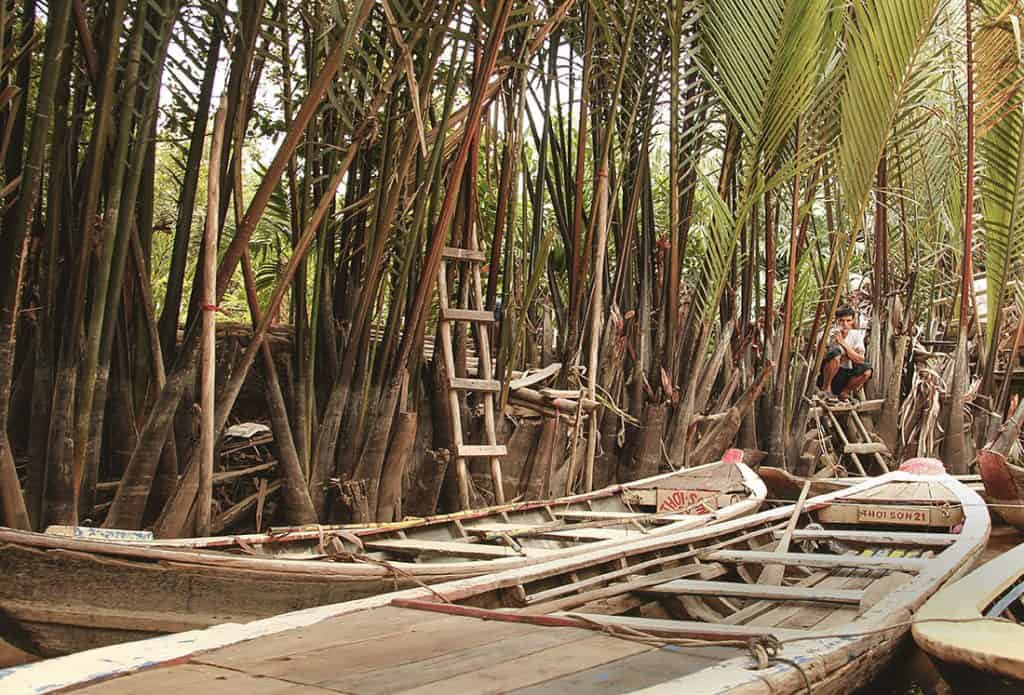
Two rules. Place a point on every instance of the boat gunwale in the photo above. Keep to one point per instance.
(362, 570)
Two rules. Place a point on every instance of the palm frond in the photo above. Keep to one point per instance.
(1000, 170)
(883, 37)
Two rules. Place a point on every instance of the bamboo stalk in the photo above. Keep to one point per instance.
(207, 373)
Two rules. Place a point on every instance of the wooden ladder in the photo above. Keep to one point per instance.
(486, 385)
(858, 442)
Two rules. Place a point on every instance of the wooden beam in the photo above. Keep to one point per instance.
(687, 628)
(405, 546)
(456, 254)
(931, 540)
(489, 385)
(866, 448)
(760, 557)
(704, 570)
(695, 587)
(473, 315)
(863, 407)
(773, 574)
(467, 451)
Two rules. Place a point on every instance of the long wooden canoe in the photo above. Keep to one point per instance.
(820, 592)
(1004, 485)
(981, 649)
(61, 595)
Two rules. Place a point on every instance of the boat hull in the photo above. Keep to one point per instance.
(840, 609)
(62, 595)
(57, 602)
(972, 630)
(1004, 485)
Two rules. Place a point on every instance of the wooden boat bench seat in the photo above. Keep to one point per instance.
(579, 534)
(404, 546)
(819, 560)
(937, 540)
(585, 515)
(683, 628)
(696, 587)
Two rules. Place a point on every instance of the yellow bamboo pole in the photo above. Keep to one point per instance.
(207, 374)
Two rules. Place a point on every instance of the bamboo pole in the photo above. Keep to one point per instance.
(207, 374)
(596, 319)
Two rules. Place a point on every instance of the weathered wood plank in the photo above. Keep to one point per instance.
(684, 628)
(635, 672)
(696, 587)
(453, 314)
(866, 448)
(818, 560)
(468, 451)
(410, 546)
(505, 675)
(454, 253)
(703, 570)
(936, 540)
(411, 670)
(487, 385)
(862, 407)
(199, 678)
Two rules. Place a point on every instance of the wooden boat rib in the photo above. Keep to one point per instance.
(62, 594)
(856, 563)
(982, 647)
(1004, 485)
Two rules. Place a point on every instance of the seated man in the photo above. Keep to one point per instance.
(844, 370)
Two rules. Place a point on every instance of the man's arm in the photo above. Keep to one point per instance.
(855, 356)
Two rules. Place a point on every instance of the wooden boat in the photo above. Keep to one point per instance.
(1004, 485)
(981, 649)
(61, 595)
(783, 485)
(812, 597)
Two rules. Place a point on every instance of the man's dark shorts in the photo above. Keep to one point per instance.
(843, 376)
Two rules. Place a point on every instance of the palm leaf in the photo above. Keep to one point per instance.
(883, 37)
(763, 59)
(1000, 152)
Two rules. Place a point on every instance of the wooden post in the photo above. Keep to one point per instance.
(207, 375)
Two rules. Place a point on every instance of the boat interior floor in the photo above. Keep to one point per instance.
(423, 649)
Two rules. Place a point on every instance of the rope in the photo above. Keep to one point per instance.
(333, 550)
(763, 649)
(396, 572)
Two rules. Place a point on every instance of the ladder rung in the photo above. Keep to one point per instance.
(469, 255)
(866, 448)
(477, 451)
(490, 385)
(449, 314)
